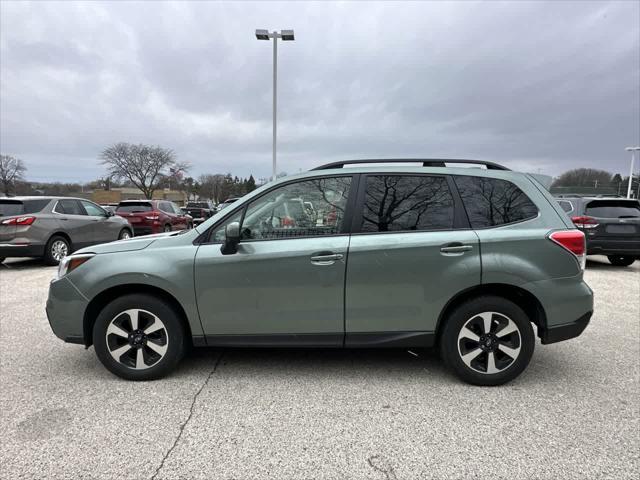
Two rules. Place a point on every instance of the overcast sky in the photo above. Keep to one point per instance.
(535, 86)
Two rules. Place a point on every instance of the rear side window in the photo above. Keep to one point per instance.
(21, 207)
(613, 209)
(133, 207)
(565, 205)
(69, 207)
(397, 203)
(490, 202)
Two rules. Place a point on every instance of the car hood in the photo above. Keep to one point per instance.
(128, 245)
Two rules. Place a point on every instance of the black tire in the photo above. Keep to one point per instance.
(467, 314)
(167, 228)
(125, 233)
(2, 259)
(51, 255)
(174, 337)
(621, 260)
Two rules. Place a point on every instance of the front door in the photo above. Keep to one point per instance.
(285, 284)
(407, 259)
(75, 222)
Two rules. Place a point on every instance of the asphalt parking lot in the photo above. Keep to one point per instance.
(319, 413)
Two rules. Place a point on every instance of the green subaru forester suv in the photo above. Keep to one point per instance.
(364, 253)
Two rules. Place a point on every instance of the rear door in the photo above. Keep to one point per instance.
(616, 225)
(75, 222)
(410, 253)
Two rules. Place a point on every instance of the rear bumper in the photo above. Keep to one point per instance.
(614, 247)
(146, 230)
(559, 333)
(12, 250)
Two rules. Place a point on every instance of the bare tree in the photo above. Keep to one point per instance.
(143, 165)
(11, 170)
(583, 177)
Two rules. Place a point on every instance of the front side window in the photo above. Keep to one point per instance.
(303, 209)
(93, 209)
(397, 203)
(218, 234)
(491, 202)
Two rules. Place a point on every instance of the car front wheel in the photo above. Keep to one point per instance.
(139, 337)
(487, 341)
(621, 260)
(125, 234)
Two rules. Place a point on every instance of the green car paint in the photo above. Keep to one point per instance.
(396, 284)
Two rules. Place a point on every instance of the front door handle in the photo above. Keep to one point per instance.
(455, 248)
(325, 258)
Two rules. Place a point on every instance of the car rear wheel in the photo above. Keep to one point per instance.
(487, 341)
(139, 337)
(621, 260)
(56, 249)
(124, 234)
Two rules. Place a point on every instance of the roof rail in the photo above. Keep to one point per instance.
(426, 162)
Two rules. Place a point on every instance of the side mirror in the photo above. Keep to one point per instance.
(232, 239)
(109, 213)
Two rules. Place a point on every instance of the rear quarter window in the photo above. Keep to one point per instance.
(566, 205)
(21, 207)
(491, 202)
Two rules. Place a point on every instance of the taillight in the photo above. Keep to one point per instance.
(19, 221)
(584, 222)
(573, 241)
(152, 217)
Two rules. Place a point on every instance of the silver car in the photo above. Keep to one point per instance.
(53, 227)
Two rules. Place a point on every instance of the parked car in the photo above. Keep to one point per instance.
(153, 216)
(611, 226)
(395, 256)
(53, 227)
(200, 211)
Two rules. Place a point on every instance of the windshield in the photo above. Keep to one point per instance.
(613, 209)
(133, 207)
(21, 207)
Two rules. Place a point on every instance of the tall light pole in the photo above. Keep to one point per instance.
(285, 35)
(633, 151)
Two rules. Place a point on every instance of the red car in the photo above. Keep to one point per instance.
(153, 216)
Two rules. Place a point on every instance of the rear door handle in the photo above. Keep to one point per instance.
(456, 248)
(325, 258)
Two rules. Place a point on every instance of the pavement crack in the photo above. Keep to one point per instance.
(188, 419)
(387, 470)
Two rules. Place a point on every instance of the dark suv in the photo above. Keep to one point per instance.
(611, 226)
(153, 216)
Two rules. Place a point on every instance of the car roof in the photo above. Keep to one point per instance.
(41, 197)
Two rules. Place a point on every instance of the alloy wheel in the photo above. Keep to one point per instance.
(137, 339)
(59, 250)
(489, 342)
(125, 235)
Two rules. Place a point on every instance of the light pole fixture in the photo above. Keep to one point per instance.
(284, 35)
(633, 151)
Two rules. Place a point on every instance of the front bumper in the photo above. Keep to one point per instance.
(16, 250)
(65, 310)
(559, 333)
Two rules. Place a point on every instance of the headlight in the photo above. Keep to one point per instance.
(71, 262)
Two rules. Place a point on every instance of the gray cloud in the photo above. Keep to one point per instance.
(533, 85)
